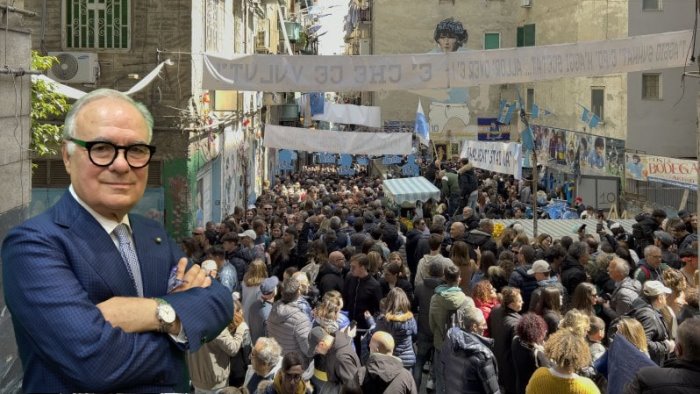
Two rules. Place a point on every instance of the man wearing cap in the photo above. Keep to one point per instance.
(542, 274)
(260, 308)
(247, 240)
(335, 361)
(689, 257)
(664, 241)
(651, 267)
(647, 309)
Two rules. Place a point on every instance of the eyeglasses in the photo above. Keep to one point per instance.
(268, 208)
(292, 377)
(103, 153)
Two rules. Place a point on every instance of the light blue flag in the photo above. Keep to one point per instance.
(527, 139)
(422, 128)
(589, 118)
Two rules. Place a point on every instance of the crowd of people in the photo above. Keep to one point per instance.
(359, 299)
(323, 286)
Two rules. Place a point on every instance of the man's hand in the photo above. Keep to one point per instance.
(194, 277)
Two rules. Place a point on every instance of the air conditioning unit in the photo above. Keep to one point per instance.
(526, 3)
(75, 67)
(364, 44)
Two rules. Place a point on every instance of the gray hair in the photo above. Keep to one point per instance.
(267, 351)
(467, 316)
(621, 266)
(335, 223)
(650, 249)
(439, 219)
(578, 249)
(70, 122)
(291, 288)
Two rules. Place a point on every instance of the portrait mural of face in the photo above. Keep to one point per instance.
(450, 35)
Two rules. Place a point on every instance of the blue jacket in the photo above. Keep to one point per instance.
(403, 328)
(58, 266)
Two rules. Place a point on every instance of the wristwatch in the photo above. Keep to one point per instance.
(165, 314)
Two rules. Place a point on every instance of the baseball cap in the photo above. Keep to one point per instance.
(269, 285)
(316, 335)
(688, 252)
(664, 237)
(654, 287)
(540, 266)
(248, 233)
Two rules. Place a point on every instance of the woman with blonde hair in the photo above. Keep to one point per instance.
(569, 353)
(577, 322)
(674, 280)
(375, 263)
(328, 315)
(633, 331)
(253, 278)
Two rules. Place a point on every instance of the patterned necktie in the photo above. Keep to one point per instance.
(128, 253)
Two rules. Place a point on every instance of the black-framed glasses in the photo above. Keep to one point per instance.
(103, 153)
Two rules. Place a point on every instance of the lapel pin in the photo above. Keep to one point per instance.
(158, 240)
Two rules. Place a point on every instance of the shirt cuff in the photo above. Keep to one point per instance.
(181, 337)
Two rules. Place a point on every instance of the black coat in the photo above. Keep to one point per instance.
(572, 273)
(502, 322)
(412, 238)
(360, 295)
(526, 359)
(654, 328)
(468, 364)
(329, 278)
(676, 377)
(342, 363)
(525, 282)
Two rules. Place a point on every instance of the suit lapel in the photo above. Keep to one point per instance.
(153, 250)
(95, 246)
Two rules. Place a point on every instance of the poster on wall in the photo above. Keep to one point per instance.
(491, 130)
(668, 170)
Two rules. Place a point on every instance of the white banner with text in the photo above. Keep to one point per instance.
(350, 142)
(283, 73)
(501, 157)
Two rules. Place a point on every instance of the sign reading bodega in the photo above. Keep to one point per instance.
(280, 73)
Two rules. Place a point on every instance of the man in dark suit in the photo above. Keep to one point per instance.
(102, 300)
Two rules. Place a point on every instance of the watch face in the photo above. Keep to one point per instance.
(166, 313)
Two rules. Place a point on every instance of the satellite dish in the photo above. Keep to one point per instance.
(67, 66)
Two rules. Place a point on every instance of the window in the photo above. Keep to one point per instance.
(492, 40)
(98, 24)
(651, 5)
(598, 101)
(526, 36)
(651, 86)
(530, 100)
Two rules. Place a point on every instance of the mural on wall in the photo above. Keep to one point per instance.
(577, 153)
(448, 113)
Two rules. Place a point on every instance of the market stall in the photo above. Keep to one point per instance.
(410, 190)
